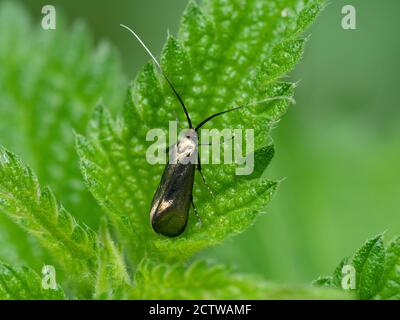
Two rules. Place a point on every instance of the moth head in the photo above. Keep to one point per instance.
(185, 150)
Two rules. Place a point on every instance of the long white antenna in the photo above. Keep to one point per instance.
(162, 72)
(142, 43)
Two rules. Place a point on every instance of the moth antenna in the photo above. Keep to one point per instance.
(162, 72)
(246, 106)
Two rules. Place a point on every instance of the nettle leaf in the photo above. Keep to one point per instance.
(228, 53)
(324, 281)
(369, 262)
(112, 279)
(390, 281)
(202, 280)
(335, 280)
(24, 284)
(376, 268)
(37, 211)
(338, 273)
(50, 81)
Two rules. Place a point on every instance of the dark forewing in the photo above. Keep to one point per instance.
(171, 202)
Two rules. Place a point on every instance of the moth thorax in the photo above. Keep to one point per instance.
(185, 150)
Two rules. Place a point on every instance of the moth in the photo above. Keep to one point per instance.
(171, 202)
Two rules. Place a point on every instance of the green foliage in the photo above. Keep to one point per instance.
(49, 83)
(37, 211)
(369, 262)
(390, 280)
(376, 270)
(201, 280)
(24, 284)
(248, 46)
(112, 278)
(222, 45)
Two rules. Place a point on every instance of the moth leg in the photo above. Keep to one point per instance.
(202, 176)
(196, 213)
(199, 166)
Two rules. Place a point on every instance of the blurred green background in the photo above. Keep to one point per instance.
(338, 147)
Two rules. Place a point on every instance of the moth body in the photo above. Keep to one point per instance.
(171, 202)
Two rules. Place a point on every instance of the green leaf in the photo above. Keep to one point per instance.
(369, 262)
(334, 281)
(338, 273)
(227, 53)
(112, 278)
(50, 82)
(37, 211)
(390, 284)
(24, 284)
(326, 281)
(376, 270)
(200, 280)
